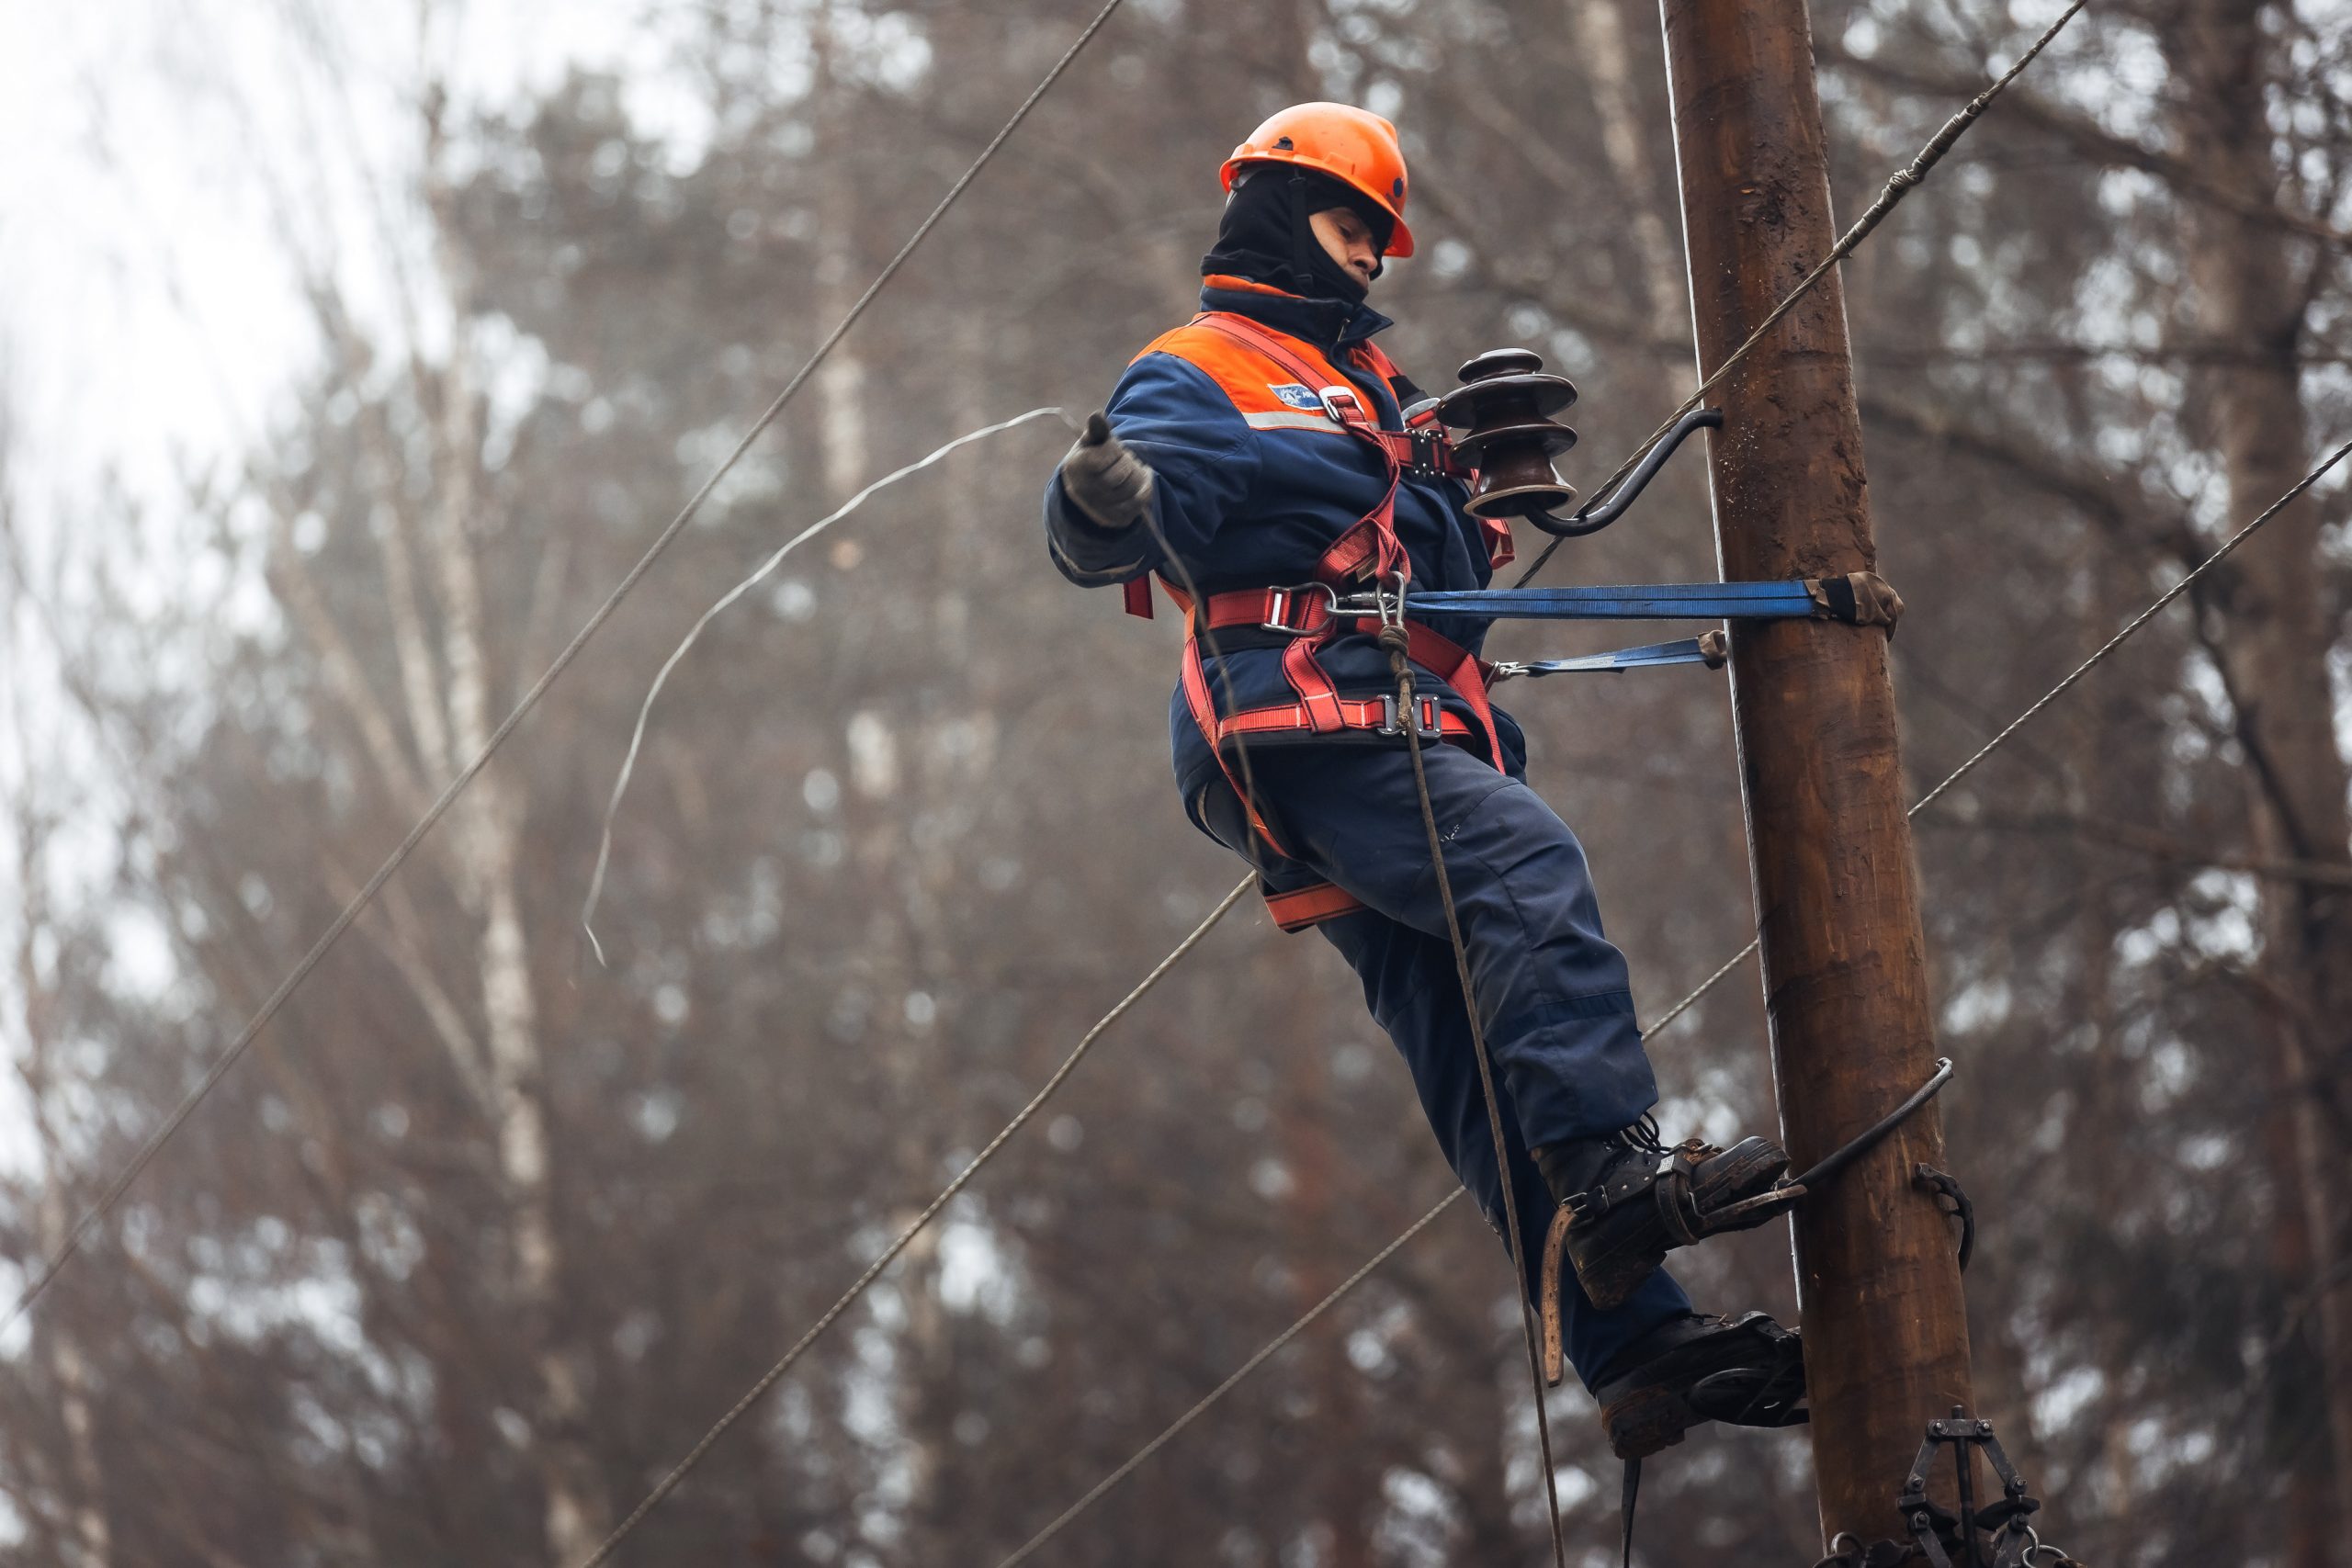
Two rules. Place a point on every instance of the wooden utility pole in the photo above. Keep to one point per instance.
(1845, 962)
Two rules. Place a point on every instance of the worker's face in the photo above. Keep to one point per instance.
(1347, 239)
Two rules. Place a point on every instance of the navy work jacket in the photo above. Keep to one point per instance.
(1252, 482)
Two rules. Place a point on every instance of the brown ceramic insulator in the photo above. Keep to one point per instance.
(1522, 492)
(1542, 436)
(1504, 408)
(1498, 398)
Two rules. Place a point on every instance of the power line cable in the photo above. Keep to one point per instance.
(309, 961)
(694, 635)
(1679, 1008)
(859, 1286)
(1889, 196)
(1898, 185)
(1265, 1353)
(2222, 553)
(2227, 549)
(1895, 187)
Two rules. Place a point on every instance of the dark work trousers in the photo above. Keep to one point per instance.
(1552, 992)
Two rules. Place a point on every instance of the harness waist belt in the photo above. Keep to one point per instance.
(1378, 715)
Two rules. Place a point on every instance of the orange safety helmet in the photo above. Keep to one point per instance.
(1353, 146)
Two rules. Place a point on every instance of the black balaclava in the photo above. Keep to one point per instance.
(1264, 235)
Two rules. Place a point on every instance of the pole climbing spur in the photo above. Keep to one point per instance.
(1684, 1195)
(1999, 1535)
(1652, 1201)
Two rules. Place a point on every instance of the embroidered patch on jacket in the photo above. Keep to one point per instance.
(1297, 397)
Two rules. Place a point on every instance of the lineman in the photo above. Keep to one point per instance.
(1256, 461)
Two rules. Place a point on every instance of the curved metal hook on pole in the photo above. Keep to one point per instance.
(1612, 503)
(1870, 1137)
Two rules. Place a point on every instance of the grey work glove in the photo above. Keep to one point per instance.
(1108, 484)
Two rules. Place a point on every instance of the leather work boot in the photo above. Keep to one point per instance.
(1626, 1201)
(1748, 1371)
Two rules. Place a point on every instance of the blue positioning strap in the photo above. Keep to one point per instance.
(1687, 651)
(1643, 601)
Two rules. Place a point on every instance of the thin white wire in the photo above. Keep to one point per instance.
(645, 709)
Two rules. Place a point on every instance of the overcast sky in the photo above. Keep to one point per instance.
(147, 309)
(158, 153)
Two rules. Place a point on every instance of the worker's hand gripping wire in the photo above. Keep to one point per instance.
(1103, 478)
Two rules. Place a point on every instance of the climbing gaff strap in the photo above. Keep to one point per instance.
(1754, 1395)
(1859, 598)
(1947, 1188)
(1665, 1191)
(1711, 649)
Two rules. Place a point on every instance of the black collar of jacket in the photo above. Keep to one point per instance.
(1329, 324)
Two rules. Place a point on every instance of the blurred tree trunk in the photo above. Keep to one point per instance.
(474, 1158)
(485, 835)
(2253, 295)
(840, 380)
(440, 629)
(55, 1333)
(1599, 31)
(1345, 1485)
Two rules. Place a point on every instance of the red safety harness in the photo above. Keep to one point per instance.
(1368, 552)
